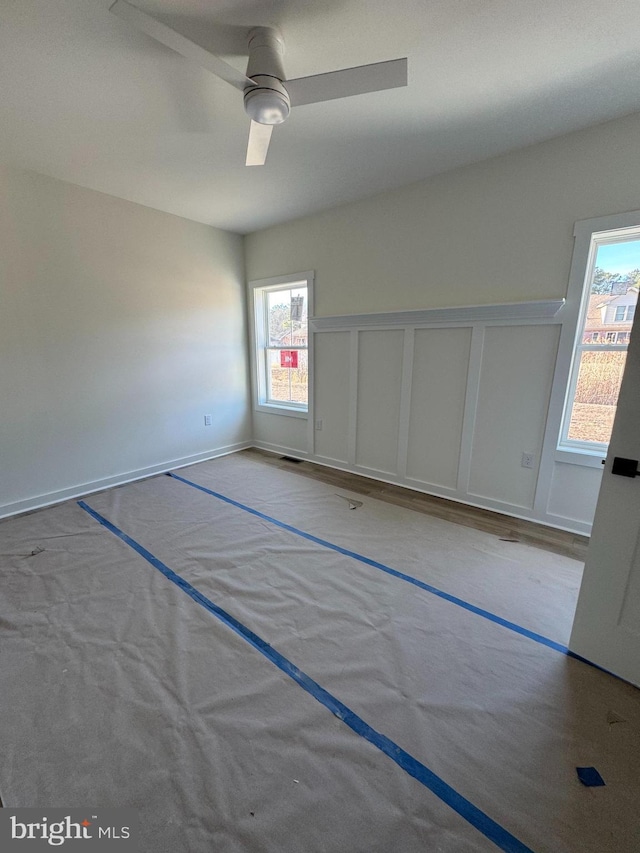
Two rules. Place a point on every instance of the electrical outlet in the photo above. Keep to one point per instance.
(207, 420)
(528, 460)
(319, 424)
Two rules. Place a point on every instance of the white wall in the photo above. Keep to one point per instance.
(494, 232)
(120, 327)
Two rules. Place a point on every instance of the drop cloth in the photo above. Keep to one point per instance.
(120, 690)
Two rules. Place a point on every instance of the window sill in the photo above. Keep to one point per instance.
(287, 411)
(586, 458)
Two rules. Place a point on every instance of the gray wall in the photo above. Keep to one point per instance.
(120, 327)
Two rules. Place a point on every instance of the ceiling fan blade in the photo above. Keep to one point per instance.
(350, 81)
(189, 49)
(259, 138)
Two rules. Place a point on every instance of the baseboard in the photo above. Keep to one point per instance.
(522, 513)
(330, 462)
(567, 525)
(83, 489)
(281, 450)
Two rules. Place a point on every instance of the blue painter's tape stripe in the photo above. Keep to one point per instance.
(466, 809)
(479, 611)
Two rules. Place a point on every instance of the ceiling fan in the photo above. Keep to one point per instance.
(268, 95)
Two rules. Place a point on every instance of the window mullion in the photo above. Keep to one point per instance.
(601, 348)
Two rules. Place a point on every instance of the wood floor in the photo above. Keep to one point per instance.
(503, 526)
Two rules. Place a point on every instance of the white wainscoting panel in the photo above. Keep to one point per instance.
(379, 392)
(448, 409)
(438, 390)
(574, 492)
(515, 385)
(332, 360)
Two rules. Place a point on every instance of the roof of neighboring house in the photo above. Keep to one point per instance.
(293, 338)
(598, 301)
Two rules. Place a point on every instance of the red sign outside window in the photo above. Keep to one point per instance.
(288, 358)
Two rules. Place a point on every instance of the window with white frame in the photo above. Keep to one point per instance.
(607, 308)
(281, 309)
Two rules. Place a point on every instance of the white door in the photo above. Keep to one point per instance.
(606, 629)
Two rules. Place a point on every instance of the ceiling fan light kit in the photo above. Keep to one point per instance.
(267, 97)
(266, 102)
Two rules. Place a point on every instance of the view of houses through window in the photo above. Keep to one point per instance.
(601, 347)
(287, 353)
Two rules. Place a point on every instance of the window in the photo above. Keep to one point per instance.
(281, 336)
(624, 312)
(610, 293)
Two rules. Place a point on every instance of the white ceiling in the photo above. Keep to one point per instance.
(87, 99)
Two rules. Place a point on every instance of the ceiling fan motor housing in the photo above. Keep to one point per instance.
(268, 101)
